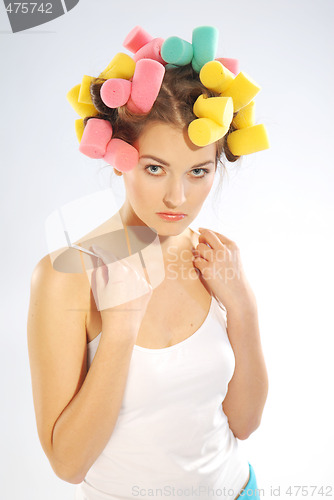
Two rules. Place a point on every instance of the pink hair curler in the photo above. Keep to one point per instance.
(146, 84)
(121, 155)
(96, 135)
(151, 50)
(136, 39)
(229, 63)
(115, 92)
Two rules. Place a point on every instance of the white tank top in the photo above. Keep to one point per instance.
(172, 437)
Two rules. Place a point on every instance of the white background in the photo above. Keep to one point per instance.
(277, 205)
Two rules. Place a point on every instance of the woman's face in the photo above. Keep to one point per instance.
(173, 175)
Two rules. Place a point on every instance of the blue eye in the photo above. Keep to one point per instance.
(149, 166)
(205, 170)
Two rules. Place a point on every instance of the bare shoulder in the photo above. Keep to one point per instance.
(47, 279)
(53, 291)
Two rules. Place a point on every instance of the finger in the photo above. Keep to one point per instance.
(211, 238)
(199, 263)
(220, 237)
(205, 252)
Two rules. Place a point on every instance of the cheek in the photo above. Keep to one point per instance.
(203, 188)
(137, 189)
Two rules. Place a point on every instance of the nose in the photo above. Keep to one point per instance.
(175, 194)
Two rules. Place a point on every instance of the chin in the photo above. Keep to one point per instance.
(171, 228)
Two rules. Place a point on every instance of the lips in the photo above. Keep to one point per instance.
(171, 213)
(168, 217)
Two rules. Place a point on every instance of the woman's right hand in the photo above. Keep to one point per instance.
(120, 290)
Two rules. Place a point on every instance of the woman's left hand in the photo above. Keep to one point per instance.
(221, 267)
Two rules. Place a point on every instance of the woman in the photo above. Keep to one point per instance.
(148, 397)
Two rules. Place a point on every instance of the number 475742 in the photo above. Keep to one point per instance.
(29, 8)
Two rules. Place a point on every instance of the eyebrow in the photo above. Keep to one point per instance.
(167, 164)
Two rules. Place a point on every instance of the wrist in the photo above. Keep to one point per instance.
(242, 306)
(120, 325)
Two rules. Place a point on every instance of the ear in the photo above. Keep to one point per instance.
(117, 172)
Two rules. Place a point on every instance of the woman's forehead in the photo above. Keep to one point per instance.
(167, 141)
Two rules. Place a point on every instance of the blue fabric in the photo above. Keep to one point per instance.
(251, 489)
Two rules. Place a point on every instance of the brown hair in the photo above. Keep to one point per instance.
(180, 88)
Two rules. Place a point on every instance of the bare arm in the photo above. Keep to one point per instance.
(218, 259)
(85, 426)
(76, 411)
(248, 388)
